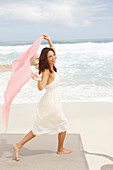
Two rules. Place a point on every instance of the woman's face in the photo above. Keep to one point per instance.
(51, 57)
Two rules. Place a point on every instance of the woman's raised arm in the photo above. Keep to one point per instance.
(46, 37)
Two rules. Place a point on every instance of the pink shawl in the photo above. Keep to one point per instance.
(21, 74)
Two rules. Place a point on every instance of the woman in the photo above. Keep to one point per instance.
(50, 118)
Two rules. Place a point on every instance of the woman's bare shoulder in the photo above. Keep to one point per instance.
(46, 71)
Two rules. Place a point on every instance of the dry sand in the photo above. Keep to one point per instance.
(40, 153)
(92, 120)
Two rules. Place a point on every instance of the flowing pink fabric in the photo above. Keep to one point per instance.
(21, 74)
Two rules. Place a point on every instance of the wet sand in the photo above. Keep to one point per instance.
(5, 68)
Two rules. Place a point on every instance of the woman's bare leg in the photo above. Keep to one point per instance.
(61, 150)
(18, 146)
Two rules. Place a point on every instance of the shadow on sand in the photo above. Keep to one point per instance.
(4, 146)
(104, 167)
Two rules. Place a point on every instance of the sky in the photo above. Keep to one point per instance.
(62, 20)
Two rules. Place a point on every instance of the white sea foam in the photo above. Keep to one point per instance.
(86, 71)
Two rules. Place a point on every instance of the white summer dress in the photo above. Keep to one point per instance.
(50, 118)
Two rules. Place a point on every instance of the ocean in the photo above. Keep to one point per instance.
(85, 69)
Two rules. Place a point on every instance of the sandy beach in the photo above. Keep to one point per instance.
(81, 32)
(92, 120)
(5, 68)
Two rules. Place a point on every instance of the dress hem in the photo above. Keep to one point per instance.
(38, 131)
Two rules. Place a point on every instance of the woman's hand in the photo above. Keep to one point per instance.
(46, 37)
(36, 77)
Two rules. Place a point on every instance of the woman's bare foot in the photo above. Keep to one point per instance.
(16, 150)
(62, 151)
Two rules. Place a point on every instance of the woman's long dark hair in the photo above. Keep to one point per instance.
(43, 63)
